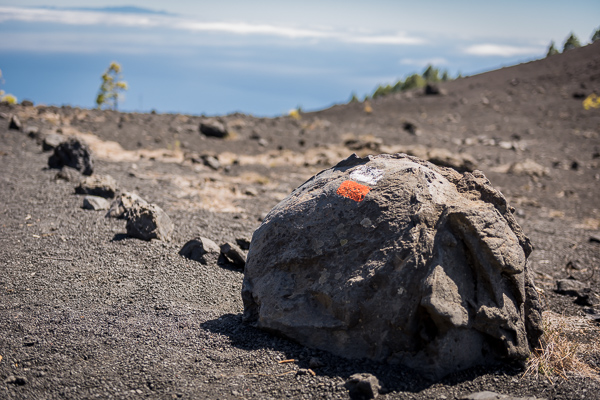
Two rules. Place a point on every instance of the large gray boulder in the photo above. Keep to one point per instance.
(394, 259)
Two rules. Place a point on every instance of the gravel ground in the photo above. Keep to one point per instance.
(88, 312)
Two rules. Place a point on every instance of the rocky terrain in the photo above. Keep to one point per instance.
(88, 311)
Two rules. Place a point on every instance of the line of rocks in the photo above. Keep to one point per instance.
(145, 221)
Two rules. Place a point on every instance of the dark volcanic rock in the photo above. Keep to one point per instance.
(15, 123)
(121, 206)
(149, 221)
(72, 153)
(394, 259)
(98, 185)
(202, 250)
(433, 89)
(363, 386)
(214, 129)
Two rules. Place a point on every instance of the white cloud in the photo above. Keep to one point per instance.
(488, 49)
(87, 18)
(423, 62)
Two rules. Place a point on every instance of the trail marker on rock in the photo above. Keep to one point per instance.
(426, 267)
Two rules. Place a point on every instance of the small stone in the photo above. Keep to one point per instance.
(574, 264)
(211, 162)
(15, 123)
(250, 191)
(365, 386)
(52, 140)
(435, 90)
(411, 128)
(98, 185)
(31, 131)
(595, 238)
(95, 203)
(68, 174)
(149, 221)
(234, 254)
(213, 129)
(570, 286)
(527, 167)
(16, 380)
(27, 103)
(243, 242)
(121, 206)
(315, 362)
(202, 250)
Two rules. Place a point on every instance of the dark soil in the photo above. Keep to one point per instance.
(88, 312)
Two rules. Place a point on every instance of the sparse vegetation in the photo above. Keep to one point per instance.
(592, 101)
(571, 43)
(596, 35)
(6, 97)
(295, 113)
(558, 356)
(414, 81)
(111, 87)
(552, 50)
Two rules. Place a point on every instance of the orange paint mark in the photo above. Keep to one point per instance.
(353, 190)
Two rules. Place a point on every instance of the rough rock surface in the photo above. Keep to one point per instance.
(68, 174)
(98, 185)
(121, 205)
(394, 259)
(149, 221)
(95, 203)
(202, 250)
(363, 386)
(234, 254)
(72, 153)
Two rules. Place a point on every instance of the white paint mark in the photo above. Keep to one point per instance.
(365, 174)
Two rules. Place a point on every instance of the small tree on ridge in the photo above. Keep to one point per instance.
(552, 50)
(572, 42)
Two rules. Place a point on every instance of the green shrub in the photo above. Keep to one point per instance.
(431, 74)
(552, 50)
(414, 81)
(596, 35)
(571, 43)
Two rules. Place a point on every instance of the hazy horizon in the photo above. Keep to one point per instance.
(265, 58)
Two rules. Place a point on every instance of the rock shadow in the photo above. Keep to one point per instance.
(392, 377)
(120, 236)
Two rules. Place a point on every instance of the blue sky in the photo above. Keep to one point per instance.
(265, 57)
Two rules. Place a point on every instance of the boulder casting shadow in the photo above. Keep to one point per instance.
(393, 259)
(393, 378)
